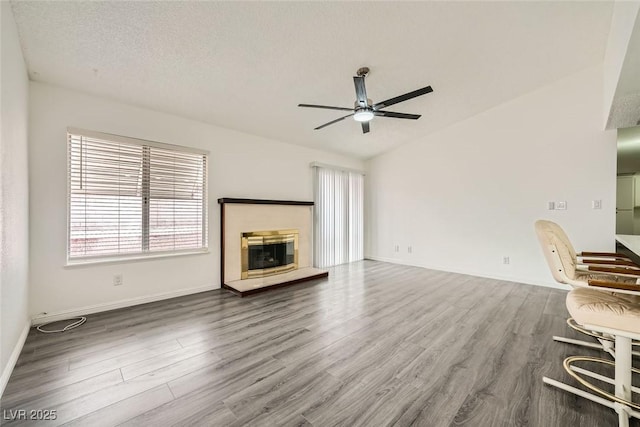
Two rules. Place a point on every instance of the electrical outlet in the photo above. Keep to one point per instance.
(561, 205)
(596, 204)
(397, 248)
(409, 249)
(117, 279)
(551, 206)
(506, 260)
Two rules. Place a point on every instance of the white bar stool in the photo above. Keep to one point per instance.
(619, 317)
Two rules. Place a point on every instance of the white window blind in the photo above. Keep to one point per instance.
(338, 211)
(134, 197)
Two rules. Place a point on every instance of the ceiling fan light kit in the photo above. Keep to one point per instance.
(363, 115)
(364, 110)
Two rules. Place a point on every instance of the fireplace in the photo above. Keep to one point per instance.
(265, 253)
(278, 258)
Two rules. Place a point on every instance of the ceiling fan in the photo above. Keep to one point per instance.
(364, 110)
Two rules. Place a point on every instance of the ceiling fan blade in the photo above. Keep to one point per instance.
(397, 115)
(361, 91)
(402, 98)
(326, 107)
(365, 127)
(333, 121)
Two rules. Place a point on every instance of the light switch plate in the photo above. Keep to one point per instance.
(551, 206)
(561, 205)
(596, 204)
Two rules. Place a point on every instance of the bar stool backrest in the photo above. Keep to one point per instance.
(558, 251)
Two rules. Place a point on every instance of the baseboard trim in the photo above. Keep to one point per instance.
(11, 363)
(524, 280)
(129, 302)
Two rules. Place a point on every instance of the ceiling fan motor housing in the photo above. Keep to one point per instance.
(357, 106)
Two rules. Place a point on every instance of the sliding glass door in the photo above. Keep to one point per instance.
(338, 216)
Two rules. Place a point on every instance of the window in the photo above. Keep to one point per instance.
(338, 213)
(129, 197)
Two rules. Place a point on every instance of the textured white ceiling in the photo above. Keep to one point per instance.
(625, 109)
(246, 65)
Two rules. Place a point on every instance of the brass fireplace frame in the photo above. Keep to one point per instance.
(252, 238)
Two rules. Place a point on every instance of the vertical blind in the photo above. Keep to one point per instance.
(128, 196)
(338, 216)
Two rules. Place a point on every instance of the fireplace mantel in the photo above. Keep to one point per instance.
(238, 216)
(224, 200)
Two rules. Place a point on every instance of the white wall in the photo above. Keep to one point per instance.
(241, 165)
(468, 195)
(14, 208)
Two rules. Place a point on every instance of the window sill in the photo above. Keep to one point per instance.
(132, 258)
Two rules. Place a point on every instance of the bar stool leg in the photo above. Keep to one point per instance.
(623, 377)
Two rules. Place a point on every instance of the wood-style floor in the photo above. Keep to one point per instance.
(376, 344)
